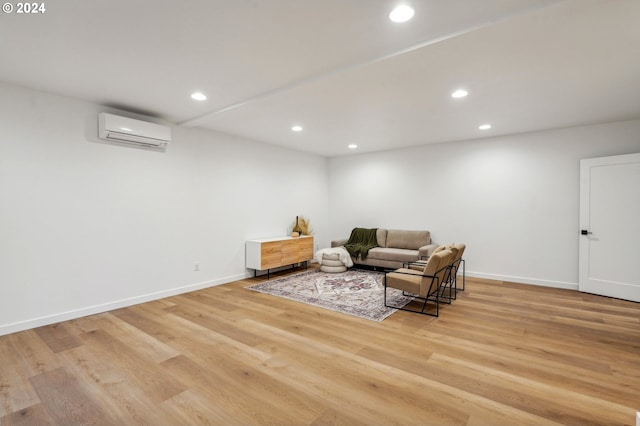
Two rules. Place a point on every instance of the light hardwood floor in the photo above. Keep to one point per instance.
(502, 354)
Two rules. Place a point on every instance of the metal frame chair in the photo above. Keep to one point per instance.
(452, 283)
(422, 285)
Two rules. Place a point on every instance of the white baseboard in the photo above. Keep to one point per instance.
(524, 280)
(97, 309)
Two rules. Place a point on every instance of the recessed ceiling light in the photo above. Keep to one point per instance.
(297, 128)
(199, 96)
(401, 13)
(460, 93)
(484, 126)
(353, 146)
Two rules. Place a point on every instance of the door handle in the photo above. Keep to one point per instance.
(585, 232)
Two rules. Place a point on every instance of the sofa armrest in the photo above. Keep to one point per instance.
(426, 251)
(338, 243)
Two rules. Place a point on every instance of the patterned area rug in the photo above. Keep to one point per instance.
(354, 292)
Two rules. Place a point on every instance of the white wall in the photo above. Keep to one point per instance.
(88, 226)
(513, 200)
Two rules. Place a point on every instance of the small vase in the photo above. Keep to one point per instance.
(297, 227)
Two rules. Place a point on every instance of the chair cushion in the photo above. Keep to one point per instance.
(422, 283)
(407, 280)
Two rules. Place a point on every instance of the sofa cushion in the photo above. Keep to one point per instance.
(412, 240)
(381, 237)
(393, 254)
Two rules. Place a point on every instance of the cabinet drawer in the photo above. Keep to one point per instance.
(270, 255)
(289, 252)
(305, 249)
(306, 244)
(269, 248)
(306, 254)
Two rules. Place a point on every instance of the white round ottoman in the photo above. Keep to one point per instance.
(332, 263)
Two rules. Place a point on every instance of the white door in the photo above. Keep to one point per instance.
(610, 226)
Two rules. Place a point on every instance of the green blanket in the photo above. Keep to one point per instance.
(361, 241)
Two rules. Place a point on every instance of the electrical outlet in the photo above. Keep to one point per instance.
(196, 267)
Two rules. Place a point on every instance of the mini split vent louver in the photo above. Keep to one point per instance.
(127, 130)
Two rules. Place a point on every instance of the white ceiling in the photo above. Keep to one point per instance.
(339, 68)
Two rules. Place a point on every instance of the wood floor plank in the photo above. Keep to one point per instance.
(236, 368)
(145, 345)
(29, 416)
(429, 402)
(148, 375)
(83, 325)
(333, 416)
(375, 385)
(35, 356)
(549, 402)
(193, 408)
(57, 337)
(16, 392)
(66, 401)
(239, 394)
(117, 392)
(240, 368)
(501, 354)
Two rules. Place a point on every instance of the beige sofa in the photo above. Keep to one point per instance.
(395, 247)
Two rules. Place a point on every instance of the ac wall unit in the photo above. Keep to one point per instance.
(127, 130)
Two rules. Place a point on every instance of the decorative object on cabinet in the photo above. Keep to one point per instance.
(302, 226)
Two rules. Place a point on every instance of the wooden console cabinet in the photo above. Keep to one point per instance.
(269, 253)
